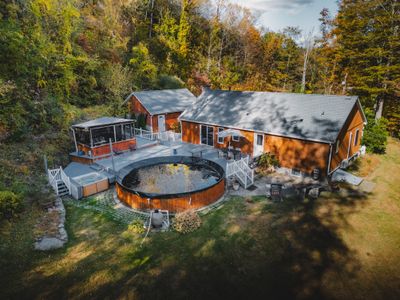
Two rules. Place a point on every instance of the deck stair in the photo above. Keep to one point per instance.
(59, 181)
(240, 169)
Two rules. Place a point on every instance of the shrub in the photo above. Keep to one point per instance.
(268, 160)
(187, 221)
(375, 133)
(136, 227)
(176, 127)
(10, 204)
(141, 121)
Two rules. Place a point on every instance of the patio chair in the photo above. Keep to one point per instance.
(276, 192)
(224, 152)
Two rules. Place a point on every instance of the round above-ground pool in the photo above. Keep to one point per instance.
(173, 183)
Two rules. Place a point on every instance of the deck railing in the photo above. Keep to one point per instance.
(161, 136)
(242, 171)
(55, 176)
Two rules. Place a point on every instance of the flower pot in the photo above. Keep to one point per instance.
(235, 186)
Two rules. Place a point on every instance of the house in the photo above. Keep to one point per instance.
(305, 132)
(161, 108)
(98, 138)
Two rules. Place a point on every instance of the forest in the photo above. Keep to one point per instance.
(58, 56)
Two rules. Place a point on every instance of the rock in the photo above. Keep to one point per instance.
(49, 243)
(63, 234)
(314, 193)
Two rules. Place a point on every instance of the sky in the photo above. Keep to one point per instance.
(278, 14)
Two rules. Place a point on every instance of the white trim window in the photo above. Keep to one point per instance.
(356, 137)
(235, 138)
(337, 146)
(207, 135)
(220, 140)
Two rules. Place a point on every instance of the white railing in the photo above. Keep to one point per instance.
(66, 180)
(58, 175)
(54, 177)
(161, 136)
(240, 169)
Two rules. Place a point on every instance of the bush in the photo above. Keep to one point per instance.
(141, 121)
(375, 133)
(187, 221)
(176, 127)
(268, 160)
(10, 204)
(136, 227)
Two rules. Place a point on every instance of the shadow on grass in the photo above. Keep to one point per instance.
(274, 250)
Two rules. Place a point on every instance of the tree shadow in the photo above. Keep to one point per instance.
(286, 250)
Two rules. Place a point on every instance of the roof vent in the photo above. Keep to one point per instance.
(323, 113)
(348, 98)
(297, 121)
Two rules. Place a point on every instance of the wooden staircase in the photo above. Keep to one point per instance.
(59, 181)
(241, 170)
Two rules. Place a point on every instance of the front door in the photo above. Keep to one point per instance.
(207, 135)
(258, 144)
(161, 123)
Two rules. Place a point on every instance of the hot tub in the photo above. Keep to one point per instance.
(91, 183)
(174, 183)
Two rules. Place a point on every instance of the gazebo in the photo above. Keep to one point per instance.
(101, 137)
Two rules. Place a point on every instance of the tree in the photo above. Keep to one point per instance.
(375, 133)
(143, 68)
(368, 43)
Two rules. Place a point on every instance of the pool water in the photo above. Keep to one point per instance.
(168, 178)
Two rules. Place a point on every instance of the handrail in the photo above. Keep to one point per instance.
(162, 136)
(241, 170)
(66, 180)
(55, 176)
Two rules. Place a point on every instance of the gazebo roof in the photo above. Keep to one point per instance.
(104, 121)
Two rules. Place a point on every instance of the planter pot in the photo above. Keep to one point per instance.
(235, 186)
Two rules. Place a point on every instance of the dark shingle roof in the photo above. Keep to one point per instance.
(104, 121)
(165, 101)
(304, 116)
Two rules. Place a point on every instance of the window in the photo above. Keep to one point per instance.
(356, 138)
(296, 172)
(337, 146)
(259, 139)
(220, 139)
(207, 135)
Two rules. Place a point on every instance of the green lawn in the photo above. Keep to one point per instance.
(339, 246)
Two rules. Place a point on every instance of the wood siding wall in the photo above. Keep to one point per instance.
(105, 149)
(354, 122)
(170, 119)
(298, 154)
(195, 200)
(137, 108)
(292, 153)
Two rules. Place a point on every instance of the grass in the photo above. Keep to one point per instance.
(335, 247)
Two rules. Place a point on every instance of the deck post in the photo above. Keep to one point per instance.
(91, 139)
(112, 156)
(115, 135)
(76, 145)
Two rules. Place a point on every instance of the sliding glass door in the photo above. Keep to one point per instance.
(207, 135)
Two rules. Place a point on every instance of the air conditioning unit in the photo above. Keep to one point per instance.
(344, 164)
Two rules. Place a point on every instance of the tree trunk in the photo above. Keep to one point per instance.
(379, 108)
(303, 79)
(151, 18)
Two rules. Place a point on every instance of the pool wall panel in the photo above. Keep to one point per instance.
(194, 200)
